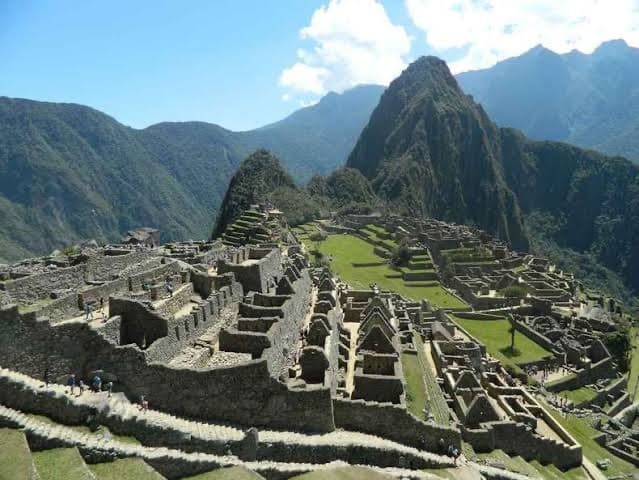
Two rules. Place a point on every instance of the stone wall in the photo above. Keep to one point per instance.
(392, 422)
(106, 290)
(65, 307)
(603, 369)
(246, 394)
(257, 275)
(153, 275)
(39, 286)
(109, 267)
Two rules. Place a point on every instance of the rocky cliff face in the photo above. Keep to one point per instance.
(431, 150)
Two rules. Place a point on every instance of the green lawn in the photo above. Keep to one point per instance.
(231, 473)
(519, 465)
(344, 473)
(436, 403)
(633, 379)
(582, 431)
(59, 463)
(345, 250)
(496, 336)
(15, 456)
(415, 389)
(125, 469)
(579, 395)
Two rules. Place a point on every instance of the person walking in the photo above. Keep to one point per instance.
(88, 311)
(81, 386)
(97, 384)
(71, 382)
(46, 377)
(109, 387)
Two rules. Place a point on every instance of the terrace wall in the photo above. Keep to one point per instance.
(245, 393)
(393, 422)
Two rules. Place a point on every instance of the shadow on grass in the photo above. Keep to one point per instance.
(510, 352)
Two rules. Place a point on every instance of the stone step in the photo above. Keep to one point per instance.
(156, 428)
(16, 461)
(58, 463)
(171, 463)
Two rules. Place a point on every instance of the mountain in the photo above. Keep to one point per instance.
(259, 175)
(318, 139)
(69, 172)
(429, 149)
(587, 100)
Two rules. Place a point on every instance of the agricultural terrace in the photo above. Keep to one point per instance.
(495, 334)
(355, 262)
(582, 431)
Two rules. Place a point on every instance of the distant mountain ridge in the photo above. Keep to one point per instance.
(429, 149)
(69, 172)
(589, 100)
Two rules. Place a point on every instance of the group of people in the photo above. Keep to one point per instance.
(73, 382)
(450, 450)
(88, 309)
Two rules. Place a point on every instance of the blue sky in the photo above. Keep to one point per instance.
(245, 63)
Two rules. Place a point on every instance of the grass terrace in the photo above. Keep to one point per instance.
(230, 473)
(579, 395)
(633, 379)
(582, 430)
(415, 388)
(496, 336)
(15, 456)
(355, 262)
(59, 463)
(125, 469)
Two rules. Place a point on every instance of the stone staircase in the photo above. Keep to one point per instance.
(155, 428)
(169, 463)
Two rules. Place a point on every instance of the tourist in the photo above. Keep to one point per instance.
(97, 383)
(46, 377)
(102, 305)
(71, 383)
(81, 386)
(144, 404)
(88, 311)
(109, 386)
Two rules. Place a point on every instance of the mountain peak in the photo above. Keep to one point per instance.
(618, 45)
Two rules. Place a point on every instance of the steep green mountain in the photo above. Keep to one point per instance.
(430, 150)
(69, 172)
(345, 186)
(257, 177)
(587, 100)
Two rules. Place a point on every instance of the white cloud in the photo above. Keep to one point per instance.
(491, 30)
(354, 42)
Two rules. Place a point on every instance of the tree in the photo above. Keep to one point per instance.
(401, 254)
(317, 238)
(619, 344)
(512, 330)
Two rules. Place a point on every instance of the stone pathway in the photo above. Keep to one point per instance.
(121, 412)
(169, 462)
(353, 328)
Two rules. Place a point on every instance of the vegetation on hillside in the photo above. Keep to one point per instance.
(431, 150)
(68, 172)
